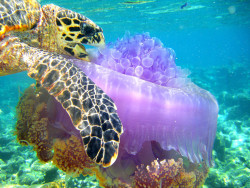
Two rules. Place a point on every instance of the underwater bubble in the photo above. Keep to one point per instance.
(125, 63)
(231, 9)
(135, 61)
(130, 71)
(116, 54)
(147, 62)
(138, 70)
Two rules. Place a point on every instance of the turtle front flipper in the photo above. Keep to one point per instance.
(18, 15)
(92, 112)
(73, 30)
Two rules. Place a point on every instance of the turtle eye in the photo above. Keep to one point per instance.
(87, 30)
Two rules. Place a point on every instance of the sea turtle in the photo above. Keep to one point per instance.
(32, 39)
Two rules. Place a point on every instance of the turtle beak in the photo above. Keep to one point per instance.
(98, 40)
(91, 34)
(102, 43)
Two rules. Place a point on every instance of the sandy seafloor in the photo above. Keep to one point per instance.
(227, 79)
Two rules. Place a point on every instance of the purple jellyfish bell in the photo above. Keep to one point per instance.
(155, 99)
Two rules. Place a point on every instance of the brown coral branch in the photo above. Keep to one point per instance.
(165, 174)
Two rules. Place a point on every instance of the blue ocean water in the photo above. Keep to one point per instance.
(211, 38)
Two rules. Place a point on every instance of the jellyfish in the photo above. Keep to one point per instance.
(161, 109)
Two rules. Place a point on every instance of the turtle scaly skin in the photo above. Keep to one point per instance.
(92, 112)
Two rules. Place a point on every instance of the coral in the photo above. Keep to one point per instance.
(167, 174)
(69, 156)
(56, 184)
(108, 182)
(83, 181)
(32, 124)
(159, 173)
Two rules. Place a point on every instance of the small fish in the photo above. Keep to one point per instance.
(182, 6)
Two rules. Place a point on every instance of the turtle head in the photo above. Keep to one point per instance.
(71, 30)
(75, 30)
